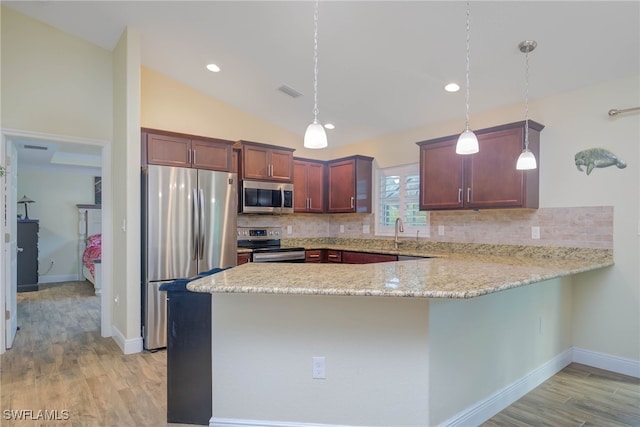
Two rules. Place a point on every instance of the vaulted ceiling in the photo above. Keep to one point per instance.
(382, 64)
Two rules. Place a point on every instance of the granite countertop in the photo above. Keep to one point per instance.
(456, 271)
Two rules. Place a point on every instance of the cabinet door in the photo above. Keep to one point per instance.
(313, 255)
(334, 256)
(244, 258)
(255, 162)
(168, 150)
(491, 178)
(308, 184)
(341, 186)
(440, 176)
(315, 187)
(211, 155)
(300, 197)
(281, 162)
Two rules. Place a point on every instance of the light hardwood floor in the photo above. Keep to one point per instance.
(59, 362)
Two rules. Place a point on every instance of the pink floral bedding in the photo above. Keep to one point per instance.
(93, 251)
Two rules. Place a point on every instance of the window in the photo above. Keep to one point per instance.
(398, 191)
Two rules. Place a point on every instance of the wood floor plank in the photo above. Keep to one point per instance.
(60, 362)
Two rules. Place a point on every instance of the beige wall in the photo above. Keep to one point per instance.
(53, 82)
(126, 195)
(607, 303)
(170, 105)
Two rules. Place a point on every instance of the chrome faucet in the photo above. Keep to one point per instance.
(400, 228)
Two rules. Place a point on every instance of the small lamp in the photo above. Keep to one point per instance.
(25, 201)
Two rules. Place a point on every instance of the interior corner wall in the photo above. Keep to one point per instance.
(126, 191)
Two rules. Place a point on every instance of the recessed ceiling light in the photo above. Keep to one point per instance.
(452, 87)
(213, 68)
(329, 126)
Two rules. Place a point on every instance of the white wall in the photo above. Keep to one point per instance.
(56, 195)
(126, 195)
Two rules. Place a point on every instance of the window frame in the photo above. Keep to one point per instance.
(410, 230)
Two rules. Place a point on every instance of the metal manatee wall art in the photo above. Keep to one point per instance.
(597, 158)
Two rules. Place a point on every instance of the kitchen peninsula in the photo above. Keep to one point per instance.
(416, 342)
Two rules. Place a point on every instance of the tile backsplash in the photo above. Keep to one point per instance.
(580, 227)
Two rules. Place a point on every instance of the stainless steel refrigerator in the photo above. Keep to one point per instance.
(189, 224)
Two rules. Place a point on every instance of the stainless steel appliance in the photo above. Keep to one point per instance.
(189, 221)
(266, 197)
(265, 245)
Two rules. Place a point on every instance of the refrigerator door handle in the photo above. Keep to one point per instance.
(201, 223)
(195, 224)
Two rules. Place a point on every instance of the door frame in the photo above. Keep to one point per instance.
(7, 135)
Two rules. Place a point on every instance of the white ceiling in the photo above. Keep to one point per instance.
(382, 64)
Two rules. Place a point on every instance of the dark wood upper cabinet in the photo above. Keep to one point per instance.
(349, 184)
(265, 162)
(308, 185)
(189, 151)
(487, 179)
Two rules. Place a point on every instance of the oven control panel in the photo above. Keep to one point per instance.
(259, 233)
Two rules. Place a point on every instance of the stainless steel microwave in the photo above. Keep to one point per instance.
(266, 197)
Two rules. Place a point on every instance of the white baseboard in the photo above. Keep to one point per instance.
(58, 278)
(128, 346)
(488, 407)
(229, 422)
(620, 365)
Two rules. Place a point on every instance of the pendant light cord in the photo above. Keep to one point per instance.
(315, 60)
(468, 61)
(526, 100)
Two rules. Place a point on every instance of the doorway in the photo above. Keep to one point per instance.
(13, 141)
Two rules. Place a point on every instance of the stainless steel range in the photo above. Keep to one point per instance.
(265, 245)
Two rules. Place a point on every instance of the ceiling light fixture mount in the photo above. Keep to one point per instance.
(467, 141)
(526, 160)
(315, 136)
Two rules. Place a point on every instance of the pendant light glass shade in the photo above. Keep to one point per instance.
(526, 160)
(315, 136)
(467, 141)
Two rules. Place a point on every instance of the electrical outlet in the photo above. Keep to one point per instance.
(318, 368)
(535, 232)
(365, 229)
(441, 230)
(289, 229)
(342, 228)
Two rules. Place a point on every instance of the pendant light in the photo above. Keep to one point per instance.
(467, 141)
(315, 136)
(527, 160)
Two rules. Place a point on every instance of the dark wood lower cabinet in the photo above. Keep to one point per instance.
(314, 255)
(366, 257)
(244, 258)
(347, 257)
